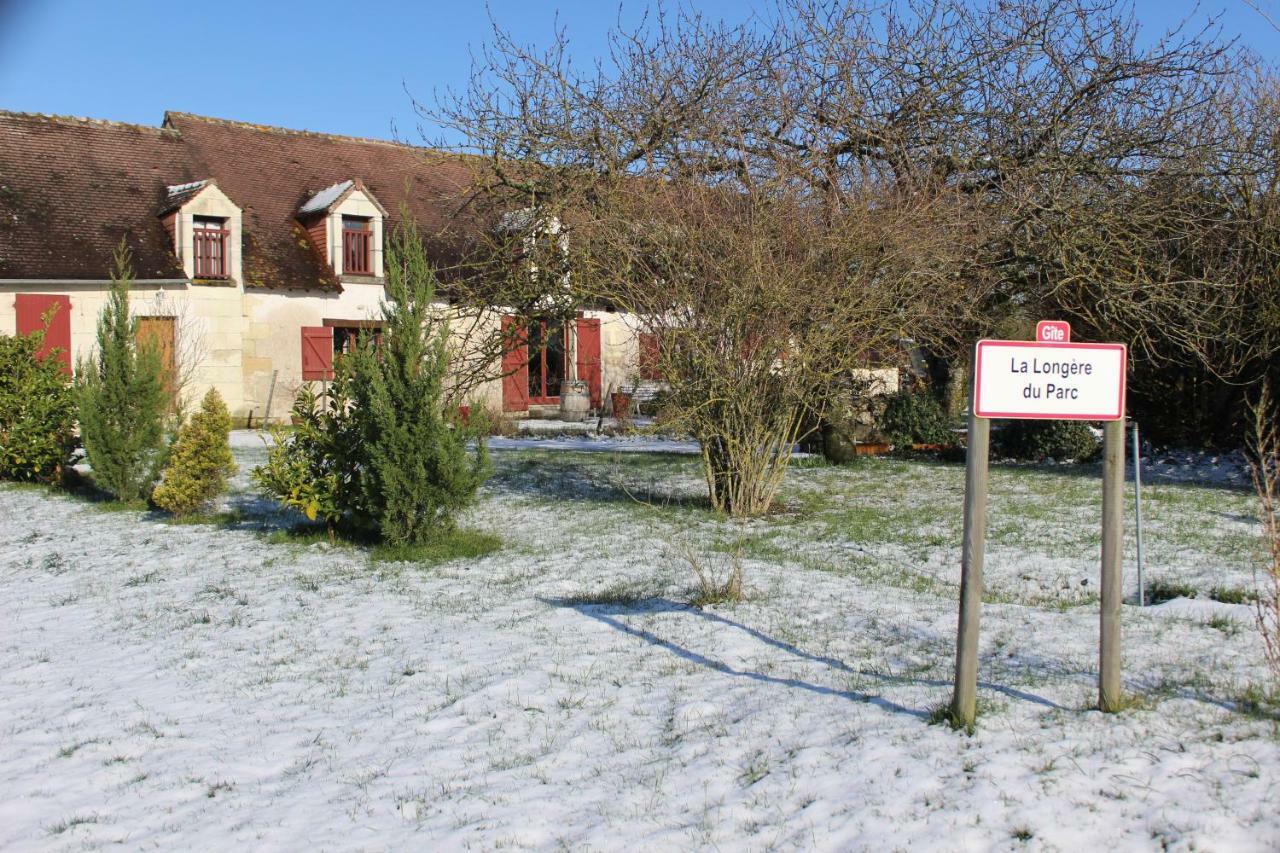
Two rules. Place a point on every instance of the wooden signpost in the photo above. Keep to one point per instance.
(1049, 378)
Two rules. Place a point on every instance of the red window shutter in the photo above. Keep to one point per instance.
(589, 357)
(317, 352)
(515, 366)
(31, 309)
(649, 370)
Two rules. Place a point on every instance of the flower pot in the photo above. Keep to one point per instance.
(621, 402)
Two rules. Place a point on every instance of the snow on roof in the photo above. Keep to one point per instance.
(182, 189)
(324, 199)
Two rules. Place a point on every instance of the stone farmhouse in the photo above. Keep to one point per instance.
(257, 254)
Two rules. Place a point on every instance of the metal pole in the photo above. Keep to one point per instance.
(964, 701)
(1109, 698)
(1137, 509)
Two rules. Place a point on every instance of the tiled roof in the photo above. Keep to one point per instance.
(272, 172)
(70, 188)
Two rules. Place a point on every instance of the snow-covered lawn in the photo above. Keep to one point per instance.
(211, 687)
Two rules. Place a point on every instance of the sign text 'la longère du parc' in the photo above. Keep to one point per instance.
(1050, 378)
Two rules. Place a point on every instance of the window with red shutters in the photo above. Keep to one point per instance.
(209, 247)
(317, 352)
(357, 239)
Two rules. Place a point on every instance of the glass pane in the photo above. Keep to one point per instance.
(535, 359)
(555, 358)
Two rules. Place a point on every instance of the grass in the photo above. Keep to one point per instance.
(942, 714)
(71, 823)
(458, 544)
(1160, 591)
(619, 594)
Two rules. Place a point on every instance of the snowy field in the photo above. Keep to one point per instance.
(223, 686)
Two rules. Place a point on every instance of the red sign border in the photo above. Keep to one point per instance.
(977, 381)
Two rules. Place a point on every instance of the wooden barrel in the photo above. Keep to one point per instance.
(575, 400)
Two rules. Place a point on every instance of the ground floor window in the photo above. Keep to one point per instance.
(345, 338)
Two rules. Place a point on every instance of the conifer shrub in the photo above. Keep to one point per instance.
(37, 411)
(381, 451)
(200, 461)
(416, 472)
(122, 398)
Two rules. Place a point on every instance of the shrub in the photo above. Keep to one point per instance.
(382, 451)
(308, 468)
(37, 411)
(1036, 441)
(200, 462)
(122, 398)
(915, 417)
(414, 470)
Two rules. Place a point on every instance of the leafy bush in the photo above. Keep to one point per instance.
(382, 451)
(200, 462)
(37, 411)
(1036, 441)
(309, 467)
(122, 398)
(915, 417)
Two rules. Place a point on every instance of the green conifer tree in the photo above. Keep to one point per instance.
(200, 462)
(415, 470)
(122, 397)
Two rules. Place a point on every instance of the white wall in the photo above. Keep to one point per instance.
(208, 326)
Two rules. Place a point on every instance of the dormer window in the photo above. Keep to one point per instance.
(209, 246)
(344, 222)
(357, 243)
(207, 232)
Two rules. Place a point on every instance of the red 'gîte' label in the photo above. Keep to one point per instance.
(1053, 332)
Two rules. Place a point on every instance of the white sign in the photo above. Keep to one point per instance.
(1051, 381)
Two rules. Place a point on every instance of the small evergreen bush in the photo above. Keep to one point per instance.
(200, 462)
(915, 417)
(1036, 441)
(37, 411)
(381, 451)
(122, 398)
(415, 471)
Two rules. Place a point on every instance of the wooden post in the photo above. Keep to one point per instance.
(964, 701)
(1109, 697)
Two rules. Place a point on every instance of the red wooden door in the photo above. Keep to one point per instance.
(31, 309)
(515, 366)
(589, 357)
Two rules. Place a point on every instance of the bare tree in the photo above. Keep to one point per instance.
(1031, 149)
(1266, 481)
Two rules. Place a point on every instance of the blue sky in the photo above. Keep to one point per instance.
(339, 67)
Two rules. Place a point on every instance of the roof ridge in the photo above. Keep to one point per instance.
(269, 128)
(86, 120)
